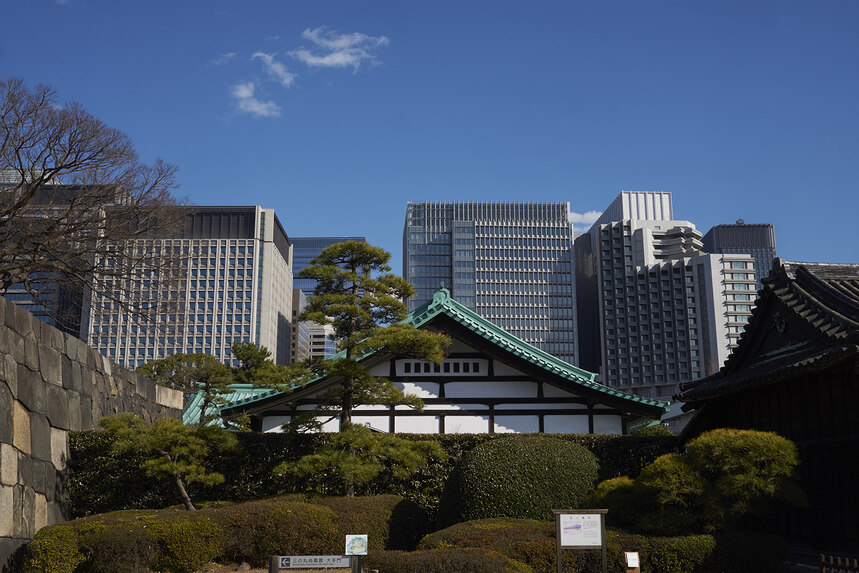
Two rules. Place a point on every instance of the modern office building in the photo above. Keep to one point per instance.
(511, 262)
(305, 249)
(757, 240)
(658, 310)
(230, 280)
(299, 347)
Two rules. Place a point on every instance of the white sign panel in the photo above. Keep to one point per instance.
(581, 530)
(312, 561)
(356, 545)
(632, 559)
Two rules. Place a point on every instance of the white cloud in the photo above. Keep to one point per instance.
(244, 96)
(339, 50)
(584, 219)
(223, 59)
(275, 69)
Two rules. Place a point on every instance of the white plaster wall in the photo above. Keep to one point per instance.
(466, 424)
(517, 424)
(540, 407)
(417, 425)
(382, 370)
(381, 423)
(550, 391)
(420, 389)
(608, 425)
(565, 424)
(502, 369)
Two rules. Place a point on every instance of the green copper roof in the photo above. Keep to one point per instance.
(443, 303)
(241, 393)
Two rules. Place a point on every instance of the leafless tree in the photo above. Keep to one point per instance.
(78, 208)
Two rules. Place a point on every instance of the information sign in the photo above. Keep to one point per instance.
(581, 529)
(632, 559)
(356, 544)
(312, 561)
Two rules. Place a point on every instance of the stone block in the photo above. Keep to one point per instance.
(40, 512)
(10, 373)
(7, 524)
(74, 400)
(31, 353)
(6, 400)
(8, 465)
(51, 365)
(58, 340)
(168, 397)
(20, 427)
(25, 470)
(77, 377)
(25, 390)
(59, 448)
(28, 512)
(40, 436)
(55, 513)
(23, 322)
(31, 390)
(53, 483)
(106, 365)
(9, 312)
(16, 346)
(86, 413)
(58, 406)
(17, 506)
(39, 482)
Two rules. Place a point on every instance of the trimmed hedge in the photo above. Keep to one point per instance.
(522, 476)
(100, 482)
(533, 543)
(444, 561)
(178, 541)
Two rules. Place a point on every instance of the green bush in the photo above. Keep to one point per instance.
(533, 543)
(619, 496)
(519, 476)
(390, 521)
(135, 548)
(444, 561)
(670, 497)
(101, 481)
(186, 541)
(53, 550)
(748, 552)
(255, 530)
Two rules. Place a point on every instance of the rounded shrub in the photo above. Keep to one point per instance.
(445, 561)
(671, 497)
(186, 541)
(617, 495)
(53, 550)
(390, 521)
(255, 530)
(522, 476)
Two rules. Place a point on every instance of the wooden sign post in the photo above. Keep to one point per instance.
(580, 529)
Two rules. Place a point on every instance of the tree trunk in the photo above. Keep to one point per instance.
(186, 499)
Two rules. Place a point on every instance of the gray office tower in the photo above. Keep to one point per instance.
(656, 310)
(757, 240)
(509, 262)
(305, 249)
(231, 282)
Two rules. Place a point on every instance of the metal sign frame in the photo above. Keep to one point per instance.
(582, 517)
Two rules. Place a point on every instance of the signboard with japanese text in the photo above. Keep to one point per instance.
(311, 561)
(581, 529)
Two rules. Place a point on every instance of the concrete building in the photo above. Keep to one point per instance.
(757, 240)
(657, 309)
(299, 347)
(231, 272)
(305, 249)
(510, 262)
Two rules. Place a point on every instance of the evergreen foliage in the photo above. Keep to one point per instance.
(358, 297)
(723, 476)
(523, 476)
(171, 449)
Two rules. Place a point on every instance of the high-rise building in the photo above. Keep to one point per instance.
(300, 342)
(757, 240)
(305, 249)
(510, 262)
(659, 310)
(230, 281)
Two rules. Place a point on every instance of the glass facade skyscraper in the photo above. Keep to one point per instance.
(757, 240)
(511, 262)
(305, 249)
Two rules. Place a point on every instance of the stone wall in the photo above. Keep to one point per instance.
(51, 383)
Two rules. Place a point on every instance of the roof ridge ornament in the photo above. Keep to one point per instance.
(441, 295)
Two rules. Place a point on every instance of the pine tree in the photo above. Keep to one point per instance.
(363, 302)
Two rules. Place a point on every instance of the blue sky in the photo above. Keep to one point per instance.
(337, 113)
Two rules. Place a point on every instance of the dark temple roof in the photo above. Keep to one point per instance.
(806, 318)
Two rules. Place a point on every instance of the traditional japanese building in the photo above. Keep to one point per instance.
(796, 372)
(490, 382)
